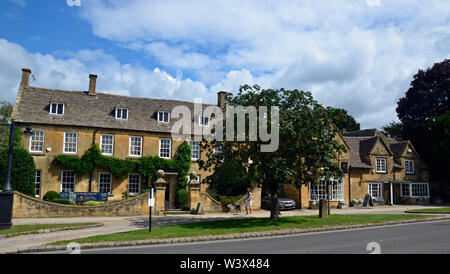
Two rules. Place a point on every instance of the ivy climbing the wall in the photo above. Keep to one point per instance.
(146, 166)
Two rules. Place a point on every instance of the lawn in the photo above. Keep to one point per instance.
(425, 210)
(242, 226)
(28, 228)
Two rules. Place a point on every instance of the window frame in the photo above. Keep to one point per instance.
(43, 142)
(410, 190)
(163, 112)
(334, 197)
(139, 183)
(100, 183)
(57, 105)
(129, 146)
(200, 121)
(170, 148)
(192, 150)
(36, 183)
(406, 167)
(76, 143)
(74, 180)
(112, 145)
(385, 165)
(380, 190)
(121, 113)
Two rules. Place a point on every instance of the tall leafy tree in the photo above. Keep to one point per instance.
(342, 119)
(307, 149)
(5, 122)
(393, 130)
(423, 112)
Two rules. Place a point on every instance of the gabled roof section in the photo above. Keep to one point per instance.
(356, 159)
(82, 109)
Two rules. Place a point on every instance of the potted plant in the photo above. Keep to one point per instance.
(314, 205)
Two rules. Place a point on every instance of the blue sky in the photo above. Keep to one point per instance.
(359, 55)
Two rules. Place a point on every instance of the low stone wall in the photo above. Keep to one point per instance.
(30, 207)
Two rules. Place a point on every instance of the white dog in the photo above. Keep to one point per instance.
(235, 209)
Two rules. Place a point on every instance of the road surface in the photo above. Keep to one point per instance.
(429, 237)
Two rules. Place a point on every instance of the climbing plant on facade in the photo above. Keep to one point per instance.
(146, 166)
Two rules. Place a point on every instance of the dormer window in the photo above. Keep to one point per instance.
(122, 113)
(56, 108)
(203, 121)
(163, 116)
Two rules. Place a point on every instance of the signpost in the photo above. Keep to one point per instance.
(151, 203)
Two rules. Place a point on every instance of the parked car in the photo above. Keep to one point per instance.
(284, 203)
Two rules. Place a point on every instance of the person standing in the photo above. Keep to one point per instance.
(248, 201)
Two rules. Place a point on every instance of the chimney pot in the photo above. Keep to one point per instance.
(26, 72)
(92, 83)
(222, 99)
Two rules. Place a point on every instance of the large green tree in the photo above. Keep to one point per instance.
(5, 122)
(423, 113)
(307, 150)
(22, 172)
(342, 119)
(393, 130)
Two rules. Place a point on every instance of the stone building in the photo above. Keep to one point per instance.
(389, 170)
(69, 122)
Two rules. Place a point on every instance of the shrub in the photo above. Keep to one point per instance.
(51, 195)
(226, 200)
(125, 195)
(181, 198)
(229, 179)
(23, 170)
(62, 201)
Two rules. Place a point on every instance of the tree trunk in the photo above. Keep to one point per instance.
(274, 210)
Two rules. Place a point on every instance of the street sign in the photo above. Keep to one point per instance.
(151, 203)
(151, 199)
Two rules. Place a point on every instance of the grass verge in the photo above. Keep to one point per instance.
(36, 227)
(242, 226)
(425, 210)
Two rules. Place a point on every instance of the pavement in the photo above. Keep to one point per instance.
(121, 224)
(415, 238)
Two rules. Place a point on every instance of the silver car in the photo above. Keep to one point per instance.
(283, 202)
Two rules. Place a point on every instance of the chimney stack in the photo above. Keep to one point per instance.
(222, 99)
(26, 72)
(92, 83)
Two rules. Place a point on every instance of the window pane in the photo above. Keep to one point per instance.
(37, 183)
(134, 184)
(107, 144)
(135, 145)
(105, 183)
(195, 149)
(70, 142)
(37, 141)
(68, 181)
(165, 148)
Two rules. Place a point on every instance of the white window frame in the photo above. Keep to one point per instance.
(74, 180)
(170, 148)
(192, 150)
(139, 183)
(410, 188)
(57, 104)
(121, 113)
(140, 150)
(407, 166)
(43, 141)
(385, 165)
(76, 143)
(201, 120)
(101, 144)
(100, 183)
(322, 190)
(162, 121)
(36, 182)
(379, 187)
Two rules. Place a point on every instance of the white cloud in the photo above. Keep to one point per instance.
(360, 55)
(71, 72)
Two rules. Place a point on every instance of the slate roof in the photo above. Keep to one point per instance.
(82, 109)
(361, 143)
